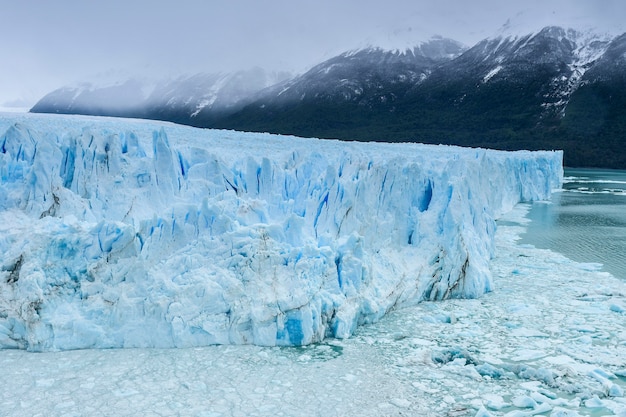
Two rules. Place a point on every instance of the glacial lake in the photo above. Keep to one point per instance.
(585, 221)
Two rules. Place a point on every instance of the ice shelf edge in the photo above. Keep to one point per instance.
(114, 237)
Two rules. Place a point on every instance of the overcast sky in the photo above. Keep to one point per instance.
(47, 44)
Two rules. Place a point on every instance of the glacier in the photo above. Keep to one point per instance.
(129, 233)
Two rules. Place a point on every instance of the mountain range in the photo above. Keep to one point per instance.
(555, 88)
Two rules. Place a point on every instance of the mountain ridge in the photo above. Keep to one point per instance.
(555, 88)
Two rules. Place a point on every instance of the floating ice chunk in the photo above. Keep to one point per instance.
(594, 402)
(531, 385)
(548, 394)
(453, 354)
(601, 374)
(560, 360)
(482, 412)
(615, 391)
(524, 401)
(401, 402)
(528, 354)
(540, 398)
(488, 370)
(468, 371)
(617, 308)
(542, 408)
(495, 402)
(420, 386)
(525, 332)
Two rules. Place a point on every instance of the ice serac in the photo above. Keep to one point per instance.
(128, 234)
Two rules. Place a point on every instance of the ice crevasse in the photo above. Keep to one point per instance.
(143, 234)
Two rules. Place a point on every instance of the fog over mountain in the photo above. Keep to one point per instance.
(68, 42)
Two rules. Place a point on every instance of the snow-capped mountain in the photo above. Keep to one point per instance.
(511, 91)
(180, 99)
(549, 88)
(117, 98)
(204, 96)
(367, 74)
(562, 56)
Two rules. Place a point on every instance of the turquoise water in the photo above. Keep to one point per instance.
(585, 221)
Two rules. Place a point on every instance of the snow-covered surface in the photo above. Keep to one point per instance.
(590, 47)
(550, 340)
(587, 46)
(410, 42)
(529, 22)
(435, 48)
(492, 73)
(122, 233)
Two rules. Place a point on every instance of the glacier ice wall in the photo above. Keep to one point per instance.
(129, 234)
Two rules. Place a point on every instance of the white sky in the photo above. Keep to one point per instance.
(47, 44)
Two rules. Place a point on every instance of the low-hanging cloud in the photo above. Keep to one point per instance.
(55, 43)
